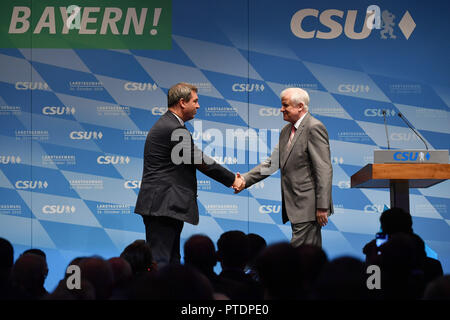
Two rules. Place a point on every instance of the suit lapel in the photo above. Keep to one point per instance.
(287, 151)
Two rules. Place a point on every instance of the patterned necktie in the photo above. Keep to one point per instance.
(293, 129)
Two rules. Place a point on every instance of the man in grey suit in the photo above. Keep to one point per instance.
(168, 194)
(303, 156)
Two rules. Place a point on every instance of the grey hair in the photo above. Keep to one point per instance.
(180, 91)
(297, 95)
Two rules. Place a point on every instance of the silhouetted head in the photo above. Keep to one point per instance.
(342, 279)
(40, 253)
(232, 249)
(279, 267)
(36, 251)
(173, 282)
(98, 272)
(256, 244)
(139, 255)
(121, 269)
(28, 275)
(6, 254)
(312, 259)
(199, 251)
(396, 220)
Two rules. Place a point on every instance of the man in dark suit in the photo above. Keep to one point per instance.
(168, 194)
(303, 156)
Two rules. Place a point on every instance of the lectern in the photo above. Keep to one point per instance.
(400, 177)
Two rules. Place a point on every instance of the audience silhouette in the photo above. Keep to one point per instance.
(402, 258)
(279, 268)
(250, 270)
(343, 278)
(6, 264)
(233, 254)
(256, 244)
(200, 253)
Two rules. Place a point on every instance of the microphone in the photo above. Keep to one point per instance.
(410, 126)
(386, 129)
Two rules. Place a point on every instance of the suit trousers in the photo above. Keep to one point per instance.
(163, 235)
(306, 233)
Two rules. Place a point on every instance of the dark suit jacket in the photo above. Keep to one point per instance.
(167, 188)
(306, 171)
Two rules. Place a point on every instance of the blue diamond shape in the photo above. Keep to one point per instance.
(428, 156)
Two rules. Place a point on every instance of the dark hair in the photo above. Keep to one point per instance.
(396, 220)
(35, 251)
(200, 252)
(180, 91)
(232, 249)
(278, 266)
(6, 254)
(139, 255)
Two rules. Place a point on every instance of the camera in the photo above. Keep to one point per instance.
(381, 238)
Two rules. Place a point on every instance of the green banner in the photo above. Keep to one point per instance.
(86, 24)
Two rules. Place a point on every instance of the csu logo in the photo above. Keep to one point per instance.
(326, 19)
(269, 112)
(48, 110)
(113, 160)
(397, 136)
(378, 113)
(267, 209)
(158, 111)
(86, 135)
(31, 184)
(37, 85)
(411, 156)
(353, 88)
(247, 87)
(337, 160)
(331, 20)
(140, 86)
(344, 184)
(10, 159)
(132, 184)
(374, 208)
(52, 209)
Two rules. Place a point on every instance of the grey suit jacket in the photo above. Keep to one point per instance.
(168, 188)
(306, 171)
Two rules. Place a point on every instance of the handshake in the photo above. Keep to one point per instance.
(239, 183)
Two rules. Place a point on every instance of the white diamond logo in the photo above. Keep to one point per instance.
(407, 25)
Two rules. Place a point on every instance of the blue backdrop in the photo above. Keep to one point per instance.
(74, 121)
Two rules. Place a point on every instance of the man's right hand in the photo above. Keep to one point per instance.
(239, 183)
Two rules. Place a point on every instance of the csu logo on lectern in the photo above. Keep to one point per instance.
(411, 156)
